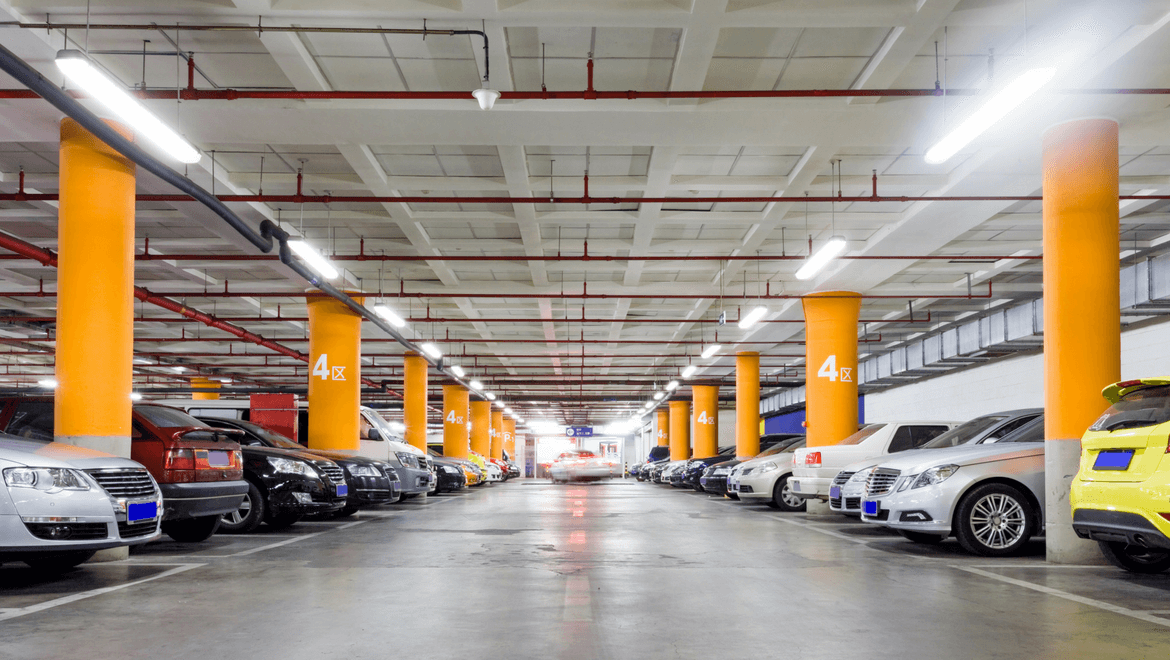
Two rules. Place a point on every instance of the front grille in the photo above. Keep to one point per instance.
(332, 471)
(424, 462)
(67, 531)
(388, 472)
(852, 503)
(132, 530)
(835, 502)
(841, 478)
(124, 483)
(881, 481)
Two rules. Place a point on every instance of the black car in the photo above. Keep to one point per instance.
(449, 476)
(714, 479)
(688, 477)
(368, 482)
(653, 471)
(640, 471)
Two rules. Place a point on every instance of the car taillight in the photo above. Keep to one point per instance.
(812, 459)
(180, 459)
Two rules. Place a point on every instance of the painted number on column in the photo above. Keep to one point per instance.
(452, 418)
(829, 370)
(325, 372)
(705, 419)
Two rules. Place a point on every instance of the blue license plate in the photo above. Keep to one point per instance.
(835, 492)
(870, 507)
(136, 511)
(342, 489)
(1113, 460)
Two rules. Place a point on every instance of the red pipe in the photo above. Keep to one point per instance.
(362, 256)
(424, 319)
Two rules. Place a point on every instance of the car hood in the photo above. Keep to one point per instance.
(783, 458)
(58, 454)
(916, 461)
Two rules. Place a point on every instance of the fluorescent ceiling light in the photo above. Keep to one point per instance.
(508, 410)
(1144, 192)
(1006, 100)
(314, 259)
(486, 97)
(492, 397)
(672, 385)
(135, 396)
(457, 370)
(689, 371)
(81, 72)
(179, 370)
(142, 361)
(658, 396)
(47, 383)
(431, 350)
(710, 350)
(476, 385)
(648, 405)
(819, 259)
(753, 317)
(388, 314)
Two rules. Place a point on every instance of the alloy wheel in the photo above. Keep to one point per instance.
(238, 516)
(998, 521)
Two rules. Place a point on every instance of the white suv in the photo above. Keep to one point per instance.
(815, 467)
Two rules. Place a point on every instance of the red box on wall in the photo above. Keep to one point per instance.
(275, 412)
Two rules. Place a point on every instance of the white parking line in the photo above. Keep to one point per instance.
(1091, 602)
(15, 612)
(353, 524)
(820, 530)
(271, 545)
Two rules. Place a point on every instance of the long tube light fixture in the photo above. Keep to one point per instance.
(395, 320)
(821, 258)
(431, 350)
(996, 108)
(689, 371)
(753, 317)
(710, 350)
(314, 259)
(81, 72)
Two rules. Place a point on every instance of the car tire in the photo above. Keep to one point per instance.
(1134, 558)
(248, 516)
(283, 520)
(922, 537)
(734, 496)
(192, 530)
(59, 561)
(783, 499)
(345, 512)
(995, 520)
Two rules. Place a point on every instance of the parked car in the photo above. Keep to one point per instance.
(656, 454)
(815, 467)
(198, 469)
(653, 471)
(581, 465)
(1119, 496)
(664, 475)
(990, 495)
(848, 487)
(715, 476)
(767, 477)
(449, 475)
(472, 474)
(343, 485)
(62, 503)
(693, 470)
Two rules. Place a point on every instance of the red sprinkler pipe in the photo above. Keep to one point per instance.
(362, 256)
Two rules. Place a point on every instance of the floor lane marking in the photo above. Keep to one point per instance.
(1091, 602)
(821, 531)
(270, 546)
(15, 612)
(353, 524)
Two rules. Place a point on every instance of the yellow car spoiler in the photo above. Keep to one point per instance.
(1114, 392)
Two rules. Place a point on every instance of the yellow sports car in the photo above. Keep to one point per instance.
(1121, 496)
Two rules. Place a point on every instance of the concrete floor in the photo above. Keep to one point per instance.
(617, 570)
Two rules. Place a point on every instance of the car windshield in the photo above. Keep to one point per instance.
(166, 418)
(1148, 406)
(861, 435)
(382, 425)
(964, 433)
(774, 449)
(1033, 431)
(270, 438)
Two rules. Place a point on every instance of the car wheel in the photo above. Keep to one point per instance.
(59, 561)
(783, 497)
(922, 537)
(192, 530)
(1135, 558)
(345, 512)
(283, 520)
(248, 516)
(734, 496)
(995, 520)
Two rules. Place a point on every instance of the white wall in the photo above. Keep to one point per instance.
(1007, 384)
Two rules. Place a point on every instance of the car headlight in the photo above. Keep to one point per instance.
(860, 476)
(407, 459)
(362, 470)
(767, 467)
(935, 475)
(449, 469)
(49, 480)
(289, 466)
(718, 471)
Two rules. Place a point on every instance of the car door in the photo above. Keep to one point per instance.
(373, 444)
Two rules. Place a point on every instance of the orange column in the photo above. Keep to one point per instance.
(414, 394)
(481, 426)
(680, 430)
(510, 437)
(497, 446)
(455, 440)
(1082, 319)
(662, 422)
(830, 379)
(95, 293)
(747, 405)
(706, 420)
(335, 376)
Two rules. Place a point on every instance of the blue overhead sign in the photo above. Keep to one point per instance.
(579, 431)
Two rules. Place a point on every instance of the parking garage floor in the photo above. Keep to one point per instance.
(615, 570)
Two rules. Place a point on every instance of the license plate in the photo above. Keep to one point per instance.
(870, 507)
(218, 459)
(136, 511)
(835, 492)
(1113, 460)
(796, 486)
(342, 489)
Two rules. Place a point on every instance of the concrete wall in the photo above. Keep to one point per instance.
(1016, 382)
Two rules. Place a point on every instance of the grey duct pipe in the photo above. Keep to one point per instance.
(269, 231)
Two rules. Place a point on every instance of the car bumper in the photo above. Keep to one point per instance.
(717, 485)
(810, 487)
(921, 510)
(202, 498)
(451, 481)
(17, 539)
(755, 486)
(1126, 511)
(364, 491)
(413, 480)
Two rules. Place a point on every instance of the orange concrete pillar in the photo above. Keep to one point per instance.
(497, 436)
(662, 427)
(414, 395)
(95, 293)
(1082, 319)
(747, 404)
(335, 376)
(510, 437)
(680, 430)
(455, 438)
(706, 420)
(830, 365)
(481, 426)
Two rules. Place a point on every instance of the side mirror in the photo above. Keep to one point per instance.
(373, 434)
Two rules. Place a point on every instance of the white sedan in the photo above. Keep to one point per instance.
(581, 465)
